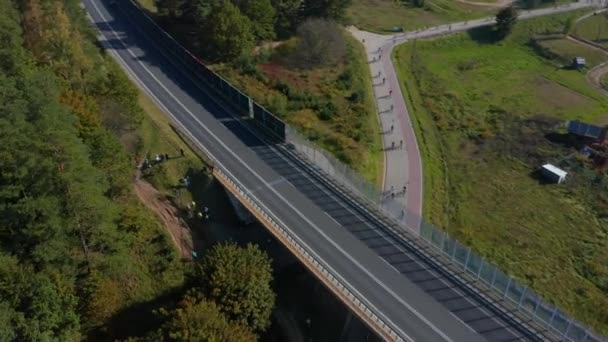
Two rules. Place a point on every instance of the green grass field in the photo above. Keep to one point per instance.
(487, 115)
(382, 15)
(565, 50)
(594, 28)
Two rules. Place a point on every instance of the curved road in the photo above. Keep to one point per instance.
(403, 166)
(418, 297)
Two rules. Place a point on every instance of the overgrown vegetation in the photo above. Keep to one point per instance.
(316, 79)
(487, 115)
(227, 29)
(77, 249)
(331, 105)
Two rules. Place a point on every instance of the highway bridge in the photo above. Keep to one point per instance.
(399, 286)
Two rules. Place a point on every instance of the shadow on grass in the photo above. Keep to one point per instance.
(484, 35)
(138, 319)
(537, 175)
(568, 140)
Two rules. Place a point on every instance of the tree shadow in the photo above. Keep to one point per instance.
(484, 35)
(568, 140)
(138, 319)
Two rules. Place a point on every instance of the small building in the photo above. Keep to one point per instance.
(553, 174)
(579, 62)
(586, 130)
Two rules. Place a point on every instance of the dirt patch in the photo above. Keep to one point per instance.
(169, 216)
(275, 72)
(558, 97)
(595, 76)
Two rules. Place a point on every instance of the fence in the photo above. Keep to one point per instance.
(524, 299)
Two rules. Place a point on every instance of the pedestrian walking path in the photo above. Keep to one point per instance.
(403, 177)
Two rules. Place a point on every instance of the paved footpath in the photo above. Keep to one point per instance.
(403, 164)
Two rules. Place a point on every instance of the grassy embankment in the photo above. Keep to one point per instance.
(485, 115)
(381, 15)
(594, 28)
(158, 136)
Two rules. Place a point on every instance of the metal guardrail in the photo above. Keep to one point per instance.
(306, 257)
(503, 286)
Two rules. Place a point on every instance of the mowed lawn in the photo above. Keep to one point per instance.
(382, 15)
(487, 115)
(594, 28)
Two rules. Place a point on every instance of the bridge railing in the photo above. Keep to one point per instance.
(503, 286)
(306, 255)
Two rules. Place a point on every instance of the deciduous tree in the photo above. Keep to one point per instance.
(262, 16)
(197, 319)
(226, 32)
(238, 280)
(320, 42)
(505, 21)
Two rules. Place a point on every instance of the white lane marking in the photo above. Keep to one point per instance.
(137, 80)
(269, 184)
(321, 187)
(393, 243)
(422, 318)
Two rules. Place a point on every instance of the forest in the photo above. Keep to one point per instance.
(77, 248)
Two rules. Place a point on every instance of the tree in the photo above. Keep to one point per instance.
(199, 320)
(238, 280)
(419, 3)
(320, 42)
(262, 16)
(227, 34)
(329, 9)
(505, 21)
(287, 16)
(41, 305)
(169, 8)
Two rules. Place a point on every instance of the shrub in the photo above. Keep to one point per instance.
(320, 42)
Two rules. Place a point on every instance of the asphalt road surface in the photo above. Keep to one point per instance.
(420, 302)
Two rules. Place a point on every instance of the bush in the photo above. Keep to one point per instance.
(320, 42)
(327, 112)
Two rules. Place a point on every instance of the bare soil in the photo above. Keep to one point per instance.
(181, 234)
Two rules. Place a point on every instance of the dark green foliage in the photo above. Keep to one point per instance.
(196, 319)
(329, 9)
(170, 8)
(238, 280)
(262, 16)
(67, 260)
(226, 33)
(419, 3)
(505, 21)
(320, 43)
(224, 30)
(288, 16)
